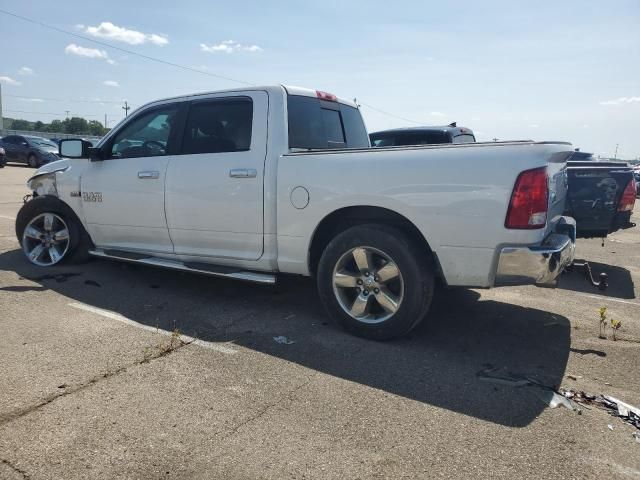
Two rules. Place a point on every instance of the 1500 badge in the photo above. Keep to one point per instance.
(92, 196)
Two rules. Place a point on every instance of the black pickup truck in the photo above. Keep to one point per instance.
(601, 194)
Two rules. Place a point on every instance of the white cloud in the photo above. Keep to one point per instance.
(534, 125)
(437, 114)
(73, 49)
(111, 83)
(25, 71)
(120, 34)
(35, 100)
(229, 46)
(621, 100)
(8, 80)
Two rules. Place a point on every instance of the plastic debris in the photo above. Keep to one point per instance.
(610, 427)
(629, 413)
(281, 339)
(636, 435)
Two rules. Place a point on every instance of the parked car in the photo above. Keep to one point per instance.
(34, 151)
(600, 193)
(251, 183)
(3, 158)
(422, 136)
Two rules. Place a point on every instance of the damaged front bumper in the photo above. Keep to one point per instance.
(539, 264)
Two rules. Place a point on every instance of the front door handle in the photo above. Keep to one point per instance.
(151, 174)
(243, 173)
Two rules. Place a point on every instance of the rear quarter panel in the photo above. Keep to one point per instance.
(457, 196)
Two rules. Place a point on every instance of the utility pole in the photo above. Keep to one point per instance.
(1, 123)
(67, 112)
(105, 120)
(126, 108)
(615, 155)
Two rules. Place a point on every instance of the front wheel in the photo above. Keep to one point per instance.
(50, 233)
(375, 282)
(32, 161)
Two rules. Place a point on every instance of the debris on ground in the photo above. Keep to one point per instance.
(614, 406)
(93, 283)
(574, 377)
(283, 340)
(547, 394)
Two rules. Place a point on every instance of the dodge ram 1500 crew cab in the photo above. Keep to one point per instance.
(254, 182)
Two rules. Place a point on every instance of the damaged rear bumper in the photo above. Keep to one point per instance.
(538, 264)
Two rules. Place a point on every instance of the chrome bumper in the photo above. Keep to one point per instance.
(538, 264)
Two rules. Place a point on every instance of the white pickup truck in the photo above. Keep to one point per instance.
(250, 183)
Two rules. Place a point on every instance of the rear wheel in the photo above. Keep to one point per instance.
(375, 282)
(50, 233)
(32, 161)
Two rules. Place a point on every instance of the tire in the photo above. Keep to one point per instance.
(393, 305)
(75, 250)
(32, 161)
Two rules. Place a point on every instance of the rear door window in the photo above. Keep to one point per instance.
(319, 124)
(220, 125)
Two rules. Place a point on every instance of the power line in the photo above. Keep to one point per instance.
(391, 114)
(130, 52)
(49, 99)
(165, 62)
(47, 113)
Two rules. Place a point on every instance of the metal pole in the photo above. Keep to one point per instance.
(615, 155)
(126, 108)
(1, 122)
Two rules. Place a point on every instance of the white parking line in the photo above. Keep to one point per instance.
(609, 299)
(121, 318)
(7, 217)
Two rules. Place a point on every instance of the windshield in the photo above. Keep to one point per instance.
(40, 142)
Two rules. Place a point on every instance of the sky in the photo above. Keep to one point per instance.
(543, 70)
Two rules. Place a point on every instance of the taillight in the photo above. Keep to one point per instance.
(529, 200)
(628, 199)
(326, 96)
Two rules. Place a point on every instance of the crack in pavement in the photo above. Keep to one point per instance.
(21, 412)
(15, 469)
(266, 408)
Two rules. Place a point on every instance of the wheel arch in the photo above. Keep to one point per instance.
(64, 207)
(346, 217)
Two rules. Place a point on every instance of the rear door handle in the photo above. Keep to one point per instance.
(243, 173)
(151, 174)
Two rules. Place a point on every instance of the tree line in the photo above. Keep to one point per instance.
(73, 125)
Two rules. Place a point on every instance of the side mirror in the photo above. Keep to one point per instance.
(75, 148)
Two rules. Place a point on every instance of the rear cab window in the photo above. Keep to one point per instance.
(320, 124)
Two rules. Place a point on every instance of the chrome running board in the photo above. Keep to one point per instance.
(202, 268)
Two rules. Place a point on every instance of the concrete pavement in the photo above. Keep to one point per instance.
(86, 392)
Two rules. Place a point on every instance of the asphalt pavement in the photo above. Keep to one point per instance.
(112, 370)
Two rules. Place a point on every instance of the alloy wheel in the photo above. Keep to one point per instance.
(368, 284)
(45, 240)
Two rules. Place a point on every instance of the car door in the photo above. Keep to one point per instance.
(22, 149)
(123, 195)
(10, 144)
(214, 189)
